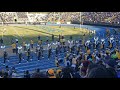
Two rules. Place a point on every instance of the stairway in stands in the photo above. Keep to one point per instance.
(33, 64)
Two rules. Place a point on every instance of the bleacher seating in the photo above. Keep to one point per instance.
(22, 16)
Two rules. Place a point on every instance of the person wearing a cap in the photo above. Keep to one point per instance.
(51, 73)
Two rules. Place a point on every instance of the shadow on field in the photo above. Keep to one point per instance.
(8, 38)
(34, 30)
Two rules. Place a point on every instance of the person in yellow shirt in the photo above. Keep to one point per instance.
(88, 51)
(118, 54)
(40, 42)
(58, 73)
(14, 47)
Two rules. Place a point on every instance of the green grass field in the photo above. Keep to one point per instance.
(26, 33)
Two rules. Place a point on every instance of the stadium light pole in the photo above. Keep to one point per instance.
(80, 19)
(54, 17)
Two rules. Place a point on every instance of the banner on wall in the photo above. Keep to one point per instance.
(58, 23)
(68, 22)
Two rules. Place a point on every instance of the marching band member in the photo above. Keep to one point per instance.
(49, 51)
(20, 53)
(40, 42)
(87, 44)
(107, 32)
(102, 43)
(95, 42)
(117, 41)
(24, 45)
(5, 55)
(31, 43)
(78, 48)
(56, 61)
(14, 47)
(27, 46)
(3, 47)
(111, 42)
(39, 54)
(28, 54)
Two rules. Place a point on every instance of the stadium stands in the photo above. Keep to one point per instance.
(90, 58)
(22, 16)
(112, 18)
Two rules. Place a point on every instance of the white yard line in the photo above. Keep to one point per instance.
(17, 33)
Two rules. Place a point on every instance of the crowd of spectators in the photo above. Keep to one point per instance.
(112, 18)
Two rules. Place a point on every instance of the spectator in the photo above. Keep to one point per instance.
(111, 67)
(36, 74)
(67, 72)
(51, 73)
(26, 74)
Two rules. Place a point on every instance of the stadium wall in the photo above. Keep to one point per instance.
(96, 24)
(102, 24)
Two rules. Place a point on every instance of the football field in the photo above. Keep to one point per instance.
(31, 32)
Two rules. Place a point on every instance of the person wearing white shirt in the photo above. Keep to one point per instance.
(16, 40)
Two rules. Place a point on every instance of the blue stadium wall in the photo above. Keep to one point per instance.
(100, 24)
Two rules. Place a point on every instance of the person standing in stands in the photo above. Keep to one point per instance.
(1, 41)
(52, 37)
(111, 42)
(20, 53)
(5, 56)
(36, 74)
(107, 32)
(12, 41)
(16, 41)
(39, 37)
(51, 73)
(41, 48)
(39, 54)
(56, 61)
(16, 50)
(39, 42)
(24, 46)
(102, 46)
(14, 47)
(20, 57)
(27, 74)
(31, 42)
(49, 52)
(47, 39)
(56, 50)
(71, 37)
(117, 41)
(28, 54)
